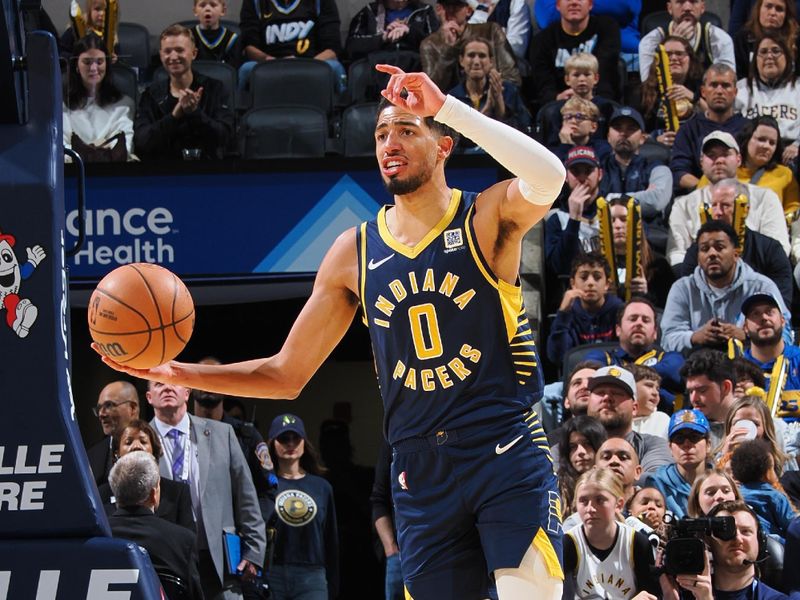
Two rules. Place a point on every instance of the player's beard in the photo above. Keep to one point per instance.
(401, 187)
(768, 341)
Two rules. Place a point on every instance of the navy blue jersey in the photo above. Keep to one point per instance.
(452, 342)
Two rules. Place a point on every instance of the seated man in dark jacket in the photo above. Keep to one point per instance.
(390, 25)
(135, 481)
(761, 252)
(187, 115)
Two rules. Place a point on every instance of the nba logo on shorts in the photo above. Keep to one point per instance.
(402, 480)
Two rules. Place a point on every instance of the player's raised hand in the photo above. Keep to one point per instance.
(421, 97)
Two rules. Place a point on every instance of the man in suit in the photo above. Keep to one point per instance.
(135, 481)
(207, 455)
(117, 405)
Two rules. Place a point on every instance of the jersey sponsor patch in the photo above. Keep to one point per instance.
(295, 508)
(453, 239)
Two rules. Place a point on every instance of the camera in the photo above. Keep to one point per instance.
(685, 550)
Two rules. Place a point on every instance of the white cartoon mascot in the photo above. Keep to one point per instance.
(20, 312)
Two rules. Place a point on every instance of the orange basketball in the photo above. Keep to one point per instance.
(141, 315)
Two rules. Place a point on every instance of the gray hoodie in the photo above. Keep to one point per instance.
(692, 302)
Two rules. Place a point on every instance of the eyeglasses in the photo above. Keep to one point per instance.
(680, 438)
(107, 406)
(677, 54)
(577, 117)
(774, 51)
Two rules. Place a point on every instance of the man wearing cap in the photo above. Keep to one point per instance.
(704, 308)
(626, 172)
(613, 391)
(761, 252)
(439, 52)
(206, 455)
(577, 31)
(764, 325)
(690, 444)
(567, 232)
(719, 92)
(719, 160)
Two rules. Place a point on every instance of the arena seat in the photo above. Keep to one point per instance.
(578, 353)
(283, 132)
(662, 19)
(127, 81)
(301, 82)
(134, 46)
(361, 86)
(358, 129)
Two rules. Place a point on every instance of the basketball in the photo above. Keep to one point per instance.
(141, 315)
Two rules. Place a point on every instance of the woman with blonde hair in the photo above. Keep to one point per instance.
(604, 544)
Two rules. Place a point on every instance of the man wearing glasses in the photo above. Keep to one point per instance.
(117, 405)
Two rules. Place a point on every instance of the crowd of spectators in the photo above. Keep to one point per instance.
(672, 371)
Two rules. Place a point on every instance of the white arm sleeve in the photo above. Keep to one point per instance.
(540, 171)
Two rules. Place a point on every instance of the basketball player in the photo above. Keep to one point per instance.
(436, 279)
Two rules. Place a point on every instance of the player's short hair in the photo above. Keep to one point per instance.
(583, 61)
(719, 69)
(713, 226)
(223, 2)
(439, 129)
(591, 259)
(581, 105)
(584, 364)
(642, 373)
(711, 363)
(176, 30)
(133, 477)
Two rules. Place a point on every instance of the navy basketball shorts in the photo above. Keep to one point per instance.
(473, 500)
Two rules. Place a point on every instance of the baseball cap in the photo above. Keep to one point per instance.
(626, 112)
(288, 422)
(721, 137)
(751, 301)
(688, 418)
(581, 155)
(616, 376)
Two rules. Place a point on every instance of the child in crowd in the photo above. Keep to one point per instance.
(751, 465)
(92, 19)
(214, 41)
(581, 74)
(605, 557)
(646, 417)
(580, 120)
(646, 510)
(588, 312)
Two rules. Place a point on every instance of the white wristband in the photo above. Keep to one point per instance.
(540, 171)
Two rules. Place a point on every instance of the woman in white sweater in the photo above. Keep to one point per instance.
(771, 87)
(98, 119)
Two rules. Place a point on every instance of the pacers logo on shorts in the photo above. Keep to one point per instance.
(295, 508)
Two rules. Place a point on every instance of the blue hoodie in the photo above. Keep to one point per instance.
(673, 486)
